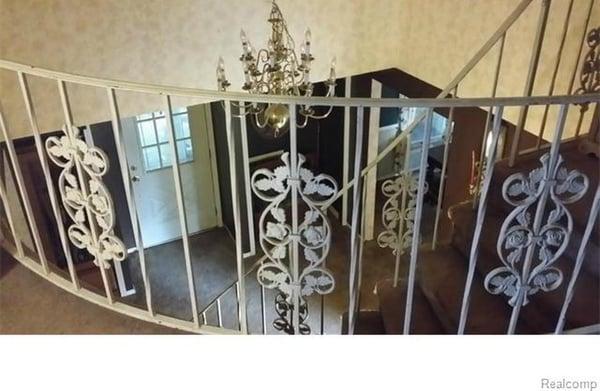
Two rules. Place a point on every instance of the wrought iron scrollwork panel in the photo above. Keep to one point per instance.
(402, 189)
(276, 236)
(85, 198)
(520, 236)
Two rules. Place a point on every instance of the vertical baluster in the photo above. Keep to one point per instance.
(354, 245)
(580, 49)
(247, 189)
(294, 259)
(474, 254)
(48, 178)
(64, 99)
(442, 187)
(11, 221)
(414, 251)
(263, 310)
(487, 122)
(346, 148)
(555, 73)
(46, 171)
(592, 220)
(181, 208)
(539, 215)
(219, 313)
(236, 220)
(12, 155)
(127, 185)
(533, 64)
(403, 201)
(583, 108)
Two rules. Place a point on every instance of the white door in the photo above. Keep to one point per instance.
(152, 174)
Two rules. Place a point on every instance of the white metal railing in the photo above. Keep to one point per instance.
(290, 277)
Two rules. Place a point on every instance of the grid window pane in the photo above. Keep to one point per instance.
(144, 116)
(165, 154)
(161, 130)
(184, 150)
(182, 126)
(151, 158)
(147, 135)
(177, 110)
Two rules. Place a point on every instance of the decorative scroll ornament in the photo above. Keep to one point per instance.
(85, 197)
(520, 236)
(589, 78)
(398, 214)
(276, 236)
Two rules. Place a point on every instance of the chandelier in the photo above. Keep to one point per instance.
(277, 70)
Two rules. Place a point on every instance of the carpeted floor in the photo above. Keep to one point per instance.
(31, 305)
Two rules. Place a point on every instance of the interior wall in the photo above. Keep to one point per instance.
(176, 42)
(442, 35)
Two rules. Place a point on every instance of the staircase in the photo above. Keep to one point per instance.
(442, 272)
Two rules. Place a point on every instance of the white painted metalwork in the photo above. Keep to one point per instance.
(247, 189)
(278, 237)
(356, 211)
(86, 199)
(128, 188)
(592, 220)
(442, 188)
(181, 209)
(346, 150)
(482, 205)
(13, 158)
(241, 296)
(46, 171)
(524, 240)
(398, 212)
(558, 59)
(531, 73)
(11, 221)
(314, 277)
(416, 236)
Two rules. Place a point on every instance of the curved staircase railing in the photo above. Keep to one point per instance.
(295, 247)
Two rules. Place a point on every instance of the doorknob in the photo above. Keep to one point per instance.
(135, 178)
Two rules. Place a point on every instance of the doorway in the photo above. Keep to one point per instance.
(150, 168)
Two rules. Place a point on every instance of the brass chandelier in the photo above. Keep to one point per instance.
(277, 71)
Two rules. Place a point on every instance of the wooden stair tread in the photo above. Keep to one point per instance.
(367, 323)
(392, 302)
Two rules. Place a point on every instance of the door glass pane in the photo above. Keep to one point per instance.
(161, 130)
(165, 154)
(146, 131)
(179, 110)
(182, 126)
(184, 150)
(151, 158)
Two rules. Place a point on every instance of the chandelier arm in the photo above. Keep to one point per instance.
(257, 121)
(303, 124)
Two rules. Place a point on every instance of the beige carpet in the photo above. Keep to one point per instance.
(31, 305)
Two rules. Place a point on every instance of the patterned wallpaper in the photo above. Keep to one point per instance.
(178, 42)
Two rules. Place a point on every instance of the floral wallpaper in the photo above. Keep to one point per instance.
(178, 42)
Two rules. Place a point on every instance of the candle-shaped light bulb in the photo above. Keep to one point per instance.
(332, 69)
(307, 37)
(243, 37)
(221, 65)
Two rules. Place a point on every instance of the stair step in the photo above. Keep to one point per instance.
(367, 323)
(442, 276)
(585, 307)
(392, 301)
